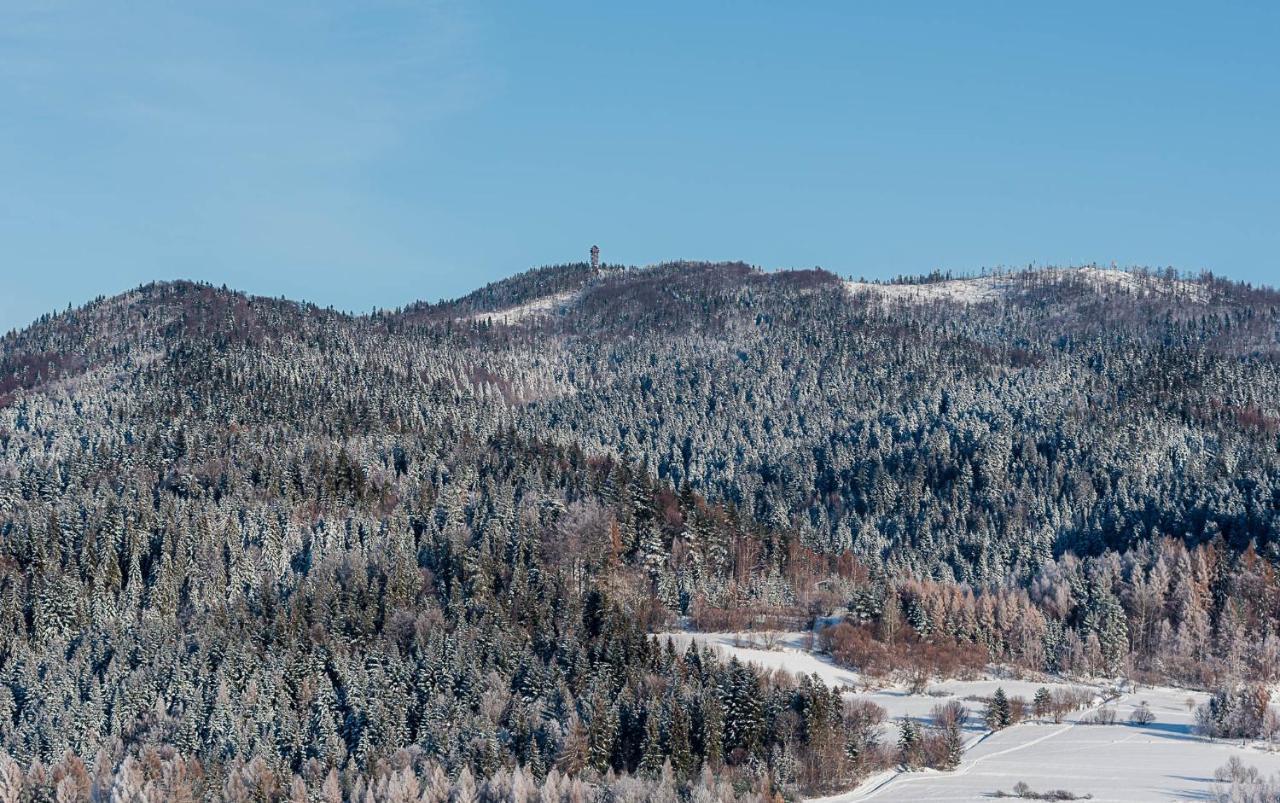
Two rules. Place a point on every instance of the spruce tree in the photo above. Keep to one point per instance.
(602, 734)
(651, 756)
(679, 747)
(712, 730)
(1042, 703)
(909, 744)
(744, 709)
(953, 741)
(998, 713)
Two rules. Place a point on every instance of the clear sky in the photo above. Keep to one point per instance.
(373, 153)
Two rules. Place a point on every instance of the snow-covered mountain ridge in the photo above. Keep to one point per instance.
(968, 290)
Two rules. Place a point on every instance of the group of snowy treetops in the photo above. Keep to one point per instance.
(260, 550)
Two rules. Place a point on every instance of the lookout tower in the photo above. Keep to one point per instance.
(595, 258)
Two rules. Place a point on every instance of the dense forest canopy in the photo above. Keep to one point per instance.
(251, 543)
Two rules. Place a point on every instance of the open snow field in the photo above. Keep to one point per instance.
(983, 289)
(1163, 761)
(791, 656)
(547, 305)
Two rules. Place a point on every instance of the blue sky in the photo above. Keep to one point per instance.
(374, 153)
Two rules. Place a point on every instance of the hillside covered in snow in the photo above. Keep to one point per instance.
(253, 544)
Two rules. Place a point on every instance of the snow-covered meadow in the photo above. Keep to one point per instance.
(995, 287)
(546, 305)
(788, 652)
(1162, 761)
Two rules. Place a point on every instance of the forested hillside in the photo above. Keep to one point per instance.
(262, 550)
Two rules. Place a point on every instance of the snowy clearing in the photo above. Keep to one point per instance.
(963, 291)
(791, 656)
(530, 309)
(1159, 762)
(1163, 761)
(982, 289)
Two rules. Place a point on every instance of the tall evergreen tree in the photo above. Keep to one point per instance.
(999, 714)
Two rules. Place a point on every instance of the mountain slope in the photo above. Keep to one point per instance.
(281, 541)
(806, 400)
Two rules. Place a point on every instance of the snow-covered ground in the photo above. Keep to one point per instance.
(789, 654)
(962, 291)
(530, 309)
(981, 289)
(969, 290)
(1163, 761)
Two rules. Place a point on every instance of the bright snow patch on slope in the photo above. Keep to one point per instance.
(964, 291)
(1125, 763)
(1163, 761)
(981, 289)
(790, 655)
(530, 309)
